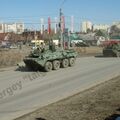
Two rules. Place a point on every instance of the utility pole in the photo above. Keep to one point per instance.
(42, 25)
(72, 24)
(60, 26)
(55, 30)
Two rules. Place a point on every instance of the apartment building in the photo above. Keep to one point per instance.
(17, 28)
(100, 27)
(85, 26)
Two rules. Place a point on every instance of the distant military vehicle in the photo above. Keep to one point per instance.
(112, 49)
(51, 58)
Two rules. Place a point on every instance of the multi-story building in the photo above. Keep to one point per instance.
(85, 26)
(17, 28)
(100, 27)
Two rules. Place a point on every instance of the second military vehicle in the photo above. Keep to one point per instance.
(112, 49)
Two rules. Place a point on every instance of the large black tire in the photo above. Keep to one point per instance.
(48, 66)
(71, 62)
(56, 65)
(65, 63)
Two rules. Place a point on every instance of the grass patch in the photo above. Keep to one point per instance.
(10, 58)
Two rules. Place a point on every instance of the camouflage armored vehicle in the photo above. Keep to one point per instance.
(51, 58)
(112, 50)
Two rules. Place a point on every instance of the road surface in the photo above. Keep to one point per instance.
(22, 92)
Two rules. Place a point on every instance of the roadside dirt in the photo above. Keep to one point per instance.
(12, 57)
(89, 51)
(101, 102)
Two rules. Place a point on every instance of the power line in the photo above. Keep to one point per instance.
(62, 3)
(24, 17)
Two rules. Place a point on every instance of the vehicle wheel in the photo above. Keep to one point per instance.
(72, 62)
(65, 63)
(48, 66)
(56, 65)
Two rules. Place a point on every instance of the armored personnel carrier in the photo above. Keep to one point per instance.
(112, 50)
(51, 58)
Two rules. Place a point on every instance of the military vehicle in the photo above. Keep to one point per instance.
(112, 50)
(51, 58)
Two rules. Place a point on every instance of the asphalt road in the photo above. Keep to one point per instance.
(23, 92)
